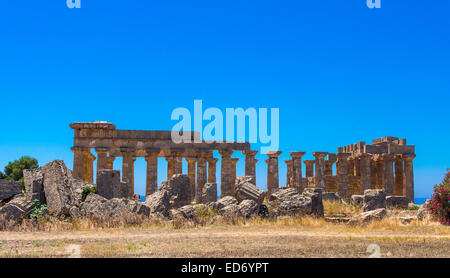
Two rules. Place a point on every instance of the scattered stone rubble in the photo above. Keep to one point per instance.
(55, 186)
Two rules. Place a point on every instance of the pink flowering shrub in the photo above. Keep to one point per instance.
(439, 205)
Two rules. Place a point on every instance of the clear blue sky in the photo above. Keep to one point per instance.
(339, 72)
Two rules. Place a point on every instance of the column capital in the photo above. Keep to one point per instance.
(226, 153)
(387, 156)
(152, 151)
(127, 150)
(190, 159)
(309, 162)
(212, 160)
(234, 160)
(250, 153)
(319, 155)
(102, 149)
(297, 154)
(409, 157)
(343, 156)
(273, 154)
(79, 149)
(288, 161)
(364, 156)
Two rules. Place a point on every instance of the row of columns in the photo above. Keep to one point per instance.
(374, 171)
(201, 167)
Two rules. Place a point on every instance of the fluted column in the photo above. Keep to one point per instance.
(329, 164)
(320, 169)
(234, 161)
(89, 159)
(398, 179)
(297, 170)
(110, 162)
(191, 174)
(250, 164)
(388, 173)
(409, 176)
(225, 175)
(128, 168)
(289, 176)
(373, 174)
(177, 161)
(102, 158)
(78, 162)
(170, 167)
(272, 172)
(342, 171)
(212, 170)
(309, 168)
(201, 175)
(380, 171)
(152, 171)
(365, 171)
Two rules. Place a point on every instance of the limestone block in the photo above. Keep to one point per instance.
(9, 189)
(209, 193)
(34, 185)
(374, 199)
(245, 190)
(397, 202)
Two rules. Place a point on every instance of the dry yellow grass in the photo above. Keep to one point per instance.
(233, 237)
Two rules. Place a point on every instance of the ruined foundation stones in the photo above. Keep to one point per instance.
(246, 190)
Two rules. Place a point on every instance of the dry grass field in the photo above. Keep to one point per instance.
(284, 237)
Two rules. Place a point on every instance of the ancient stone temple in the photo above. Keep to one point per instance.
(110, 143)
(385, 164)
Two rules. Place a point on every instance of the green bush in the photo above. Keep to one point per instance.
(38, 210)
(88, 190)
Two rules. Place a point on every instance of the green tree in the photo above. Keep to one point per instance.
(14, 170)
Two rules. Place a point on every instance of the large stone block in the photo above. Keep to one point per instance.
(9, 189)
(316, 197)
(95, 206)
(246, 190)
(110, 186)
(34, 185)
(16, 209)
(331, 196)
(209, 193)
(248, 208)
(62, 191)
(178, 188)
(158, 203)
(374, 199)
(397, 202)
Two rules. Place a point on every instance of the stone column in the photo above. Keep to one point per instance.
(201, 175)
(89, 159)
(380, 171)
(272, 171)
(373, 174)
(356, 165)
(128, 168)
(365, 170)
(225, 175)
(409, 176)
(102, 158)
(212, 170)
(329, 164)
(309, 167)
(191, 174)
(110, 162)
(320, 169)
(78, 162)
(398, 179)
(297, 170)
(342, 171)
(351, 166)
(289, 176)
(177, 161)
(170, 167)
(388, 174)
(152, 171)
(234, 161)
(250, 164)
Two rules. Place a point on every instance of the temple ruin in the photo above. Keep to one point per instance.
(385, 164)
